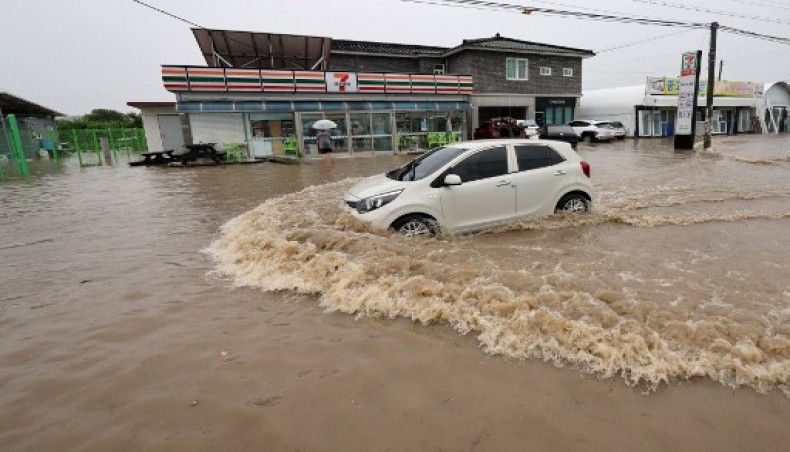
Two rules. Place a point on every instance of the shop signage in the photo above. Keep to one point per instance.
(193, 78)
(341, 82)
(668, 86)
(687, 94)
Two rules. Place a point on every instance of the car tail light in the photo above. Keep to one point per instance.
(585, 168)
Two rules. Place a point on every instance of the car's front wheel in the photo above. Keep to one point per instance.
(416, 226)
(573, 203)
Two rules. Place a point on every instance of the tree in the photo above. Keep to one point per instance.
(102, 118)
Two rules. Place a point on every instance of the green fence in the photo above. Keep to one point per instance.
(87, 140)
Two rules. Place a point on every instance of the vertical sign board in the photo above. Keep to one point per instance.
(685, 123)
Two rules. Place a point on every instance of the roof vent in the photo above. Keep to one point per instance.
(497, 36)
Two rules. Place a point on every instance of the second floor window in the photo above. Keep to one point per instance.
(545, 70)
(516, 69)
(567, 72)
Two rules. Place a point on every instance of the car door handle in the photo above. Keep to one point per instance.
(560, 172)
(503, 183)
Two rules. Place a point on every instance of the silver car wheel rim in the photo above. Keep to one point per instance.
(413, 228)
(575, 205)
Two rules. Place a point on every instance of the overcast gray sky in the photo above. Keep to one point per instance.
(77, 55)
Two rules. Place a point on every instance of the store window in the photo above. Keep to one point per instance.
(558, 115)
(420, 130)
(744, 120)
(516, 69)
(339, 135)
(272, 134)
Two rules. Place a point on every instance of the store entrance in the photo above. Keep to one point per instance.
(272, 136)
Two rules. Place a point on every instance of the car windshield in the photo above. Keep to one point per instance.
(426, 164)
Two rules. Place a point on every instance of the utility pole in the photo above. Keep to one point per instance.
(711, 82)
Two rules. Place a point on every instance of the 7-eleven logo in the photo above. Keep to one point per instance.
(341, 82)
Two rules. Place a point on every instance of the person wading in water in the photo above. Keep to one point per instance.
(324, 141)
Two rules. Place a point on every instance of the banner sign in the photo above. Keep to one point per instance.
(687, 93)
(668, 86)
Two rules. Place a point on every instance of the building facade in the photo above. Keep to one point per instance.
(265, 90)
(36, 124)
(650, 110)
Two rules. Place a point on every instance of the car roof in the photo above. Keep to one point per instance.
(479, 144)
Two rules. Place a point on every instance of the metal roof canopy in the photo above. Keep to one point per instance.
(245, 49)
(10, 104)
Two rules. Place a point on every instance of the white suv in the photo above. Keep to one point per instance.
(472, 185)
(593, 130)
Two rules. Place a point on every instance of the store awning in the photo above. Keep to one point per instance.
(253, 50)
(291, 106)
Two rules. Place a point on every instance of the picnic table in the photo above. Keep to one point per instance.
(155, 158)
(200, 151)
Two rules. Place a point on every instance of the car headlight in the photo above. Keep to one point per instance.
(374, 202)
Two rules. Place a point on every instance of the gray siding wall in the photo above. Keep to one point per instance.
(488, 70)
(362, 63)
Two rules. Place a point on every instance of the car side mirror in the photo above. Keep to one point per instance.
(452, 179)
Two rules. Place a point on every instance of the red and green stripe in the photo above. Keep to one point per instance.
(243, 79)
(175, 78)
(371, 83)
(309, 82)
(277, 81)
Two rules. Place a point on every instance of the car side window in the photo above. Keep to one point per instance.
(482, 165)
(531, 156)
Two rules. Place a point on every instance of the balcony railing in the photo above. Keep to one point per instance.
(206, 79)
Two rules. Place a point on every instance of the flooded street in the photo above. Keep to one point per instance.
(235, 307)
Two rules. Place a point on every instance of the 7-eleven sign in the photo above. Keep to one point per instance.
(341, 82)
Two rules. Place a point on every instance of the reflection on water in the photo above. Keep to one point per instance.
(680, 271)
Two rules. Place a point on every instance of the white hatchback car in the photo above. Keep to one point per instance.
(468, 186)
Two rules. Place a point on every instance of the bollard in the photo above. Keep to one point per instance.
(105, 147)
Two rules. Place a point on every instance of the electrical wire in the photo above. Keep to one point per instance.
(601, 17)
(553, 12)
(711, 11)
(609, 49)
(168, 14)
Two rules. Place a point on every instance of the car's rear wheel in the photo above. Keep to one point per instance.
(573, 203)
(416, 226)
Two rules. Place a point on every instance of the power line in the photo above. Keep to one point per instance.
(711, 11)
(168, 14)
(609, 49)
(553, 12)
(763, 4)
(600, 17)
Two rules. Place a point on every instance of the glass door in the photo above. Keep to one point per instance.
(271, 135)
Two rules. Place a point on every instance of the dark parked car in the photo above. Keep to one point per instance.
(560, 133)
(499, 128)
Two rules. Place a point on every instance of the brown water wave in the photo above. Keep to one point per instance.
(527, 291)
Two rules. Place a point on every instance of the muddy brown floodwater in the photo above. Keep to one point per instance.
(235, 308)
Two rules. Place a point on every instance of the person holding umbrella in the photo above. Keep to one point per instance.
(324, 140)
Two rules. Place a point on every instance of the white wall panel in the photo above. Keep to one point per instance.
(217, 127)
